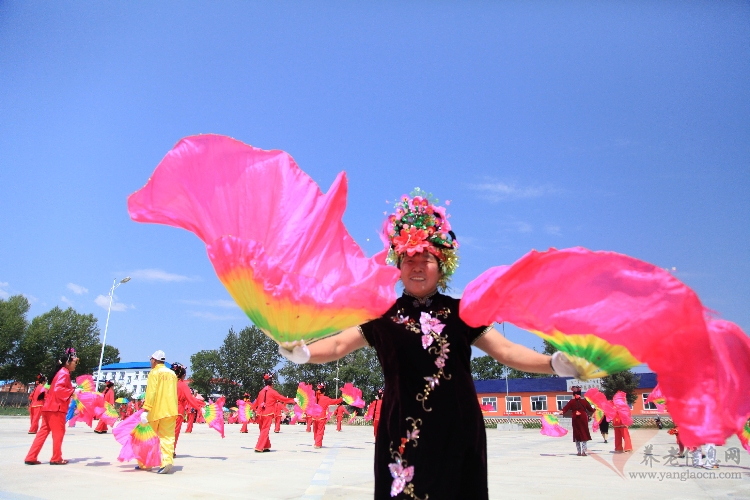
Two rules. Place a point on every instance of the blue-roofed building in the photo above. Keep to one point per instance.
(537, 396)
(131, 376)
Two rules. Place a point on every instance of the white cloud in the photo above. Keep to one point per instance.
(31, 298)
(4, 294)
(523, 227)
(158, 275)
(226, 304)
(103, 302)
(211, 316)
(77, 289)
(553, 230)
(500, 191)
(66, 300)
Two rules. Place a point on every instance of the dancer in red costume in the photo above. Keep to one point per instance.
(265, 406)
(319, 423)
(56, 402)
(277, 416)
(109, 397)
(190, 420)
(36, 401)
(579, 410)
(185, 401)
(340, 412)
(246, 397)
(376, 405)
(621, 434)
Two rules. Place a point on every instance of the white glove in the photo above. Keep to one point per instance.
(563, 366)
(300, 354)
(144, 417)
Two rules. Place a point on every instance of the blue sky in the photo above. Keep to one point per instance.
(612, 126)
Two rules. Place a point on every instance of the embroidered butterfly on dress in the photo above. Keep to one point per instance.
(401, 476)
(432, 381)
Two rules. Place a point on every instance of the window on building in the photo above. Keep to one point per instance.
(538, 403)
(647, 406)
(135, 389)
(122, 375)
(136, 376)
(129, 377)
(145, 374)
(562, 401)
(143, 388)
(490, 401)
(512, 403)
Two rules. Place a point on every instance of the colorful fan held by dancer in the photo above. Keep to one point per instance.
(214, 415)
(607, 312)
(86, 383)
(245, 411)
(602, 407)
(109, 415)
(353, 417)
(658, 399)
(138, 441)
(275, 240)
(487, 408)
(551, 426)
(306, 400)
(352, 396)
(622, 408)
(744, 436)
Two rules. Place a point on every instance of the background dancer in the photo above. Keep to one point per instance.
(36, 401)
(579, 409)
(185, 401)
(277, 416)
(340, 412)
(109, 397)
(246, 398)
(56, 402)
(319, 423)
(265, 406)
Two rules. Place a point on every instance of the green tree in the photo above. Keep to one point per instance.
(204, 369)
(244, 358)
(50, 334)
(486, 368)
(13, 325)
(626, 382)
(111, 355)
(237, 366)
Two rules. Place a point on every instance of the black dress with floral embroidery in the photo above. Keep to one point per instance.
(431, 441)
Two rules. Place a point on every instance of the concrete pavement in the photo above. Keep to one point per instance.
(522, 464)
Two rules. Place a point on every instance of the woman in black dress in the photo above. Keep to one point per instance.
(431, 441)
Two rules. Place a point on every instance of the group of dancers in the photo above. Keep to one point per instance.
(168, 403)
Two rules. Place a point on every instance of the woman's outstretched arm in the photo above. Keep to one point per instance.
(513, 355)
(336, 346)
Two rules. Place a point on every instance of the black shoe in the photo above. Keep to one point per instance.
(32, 462)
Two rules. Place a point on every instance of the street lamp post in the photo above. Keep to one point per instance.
(106, 326)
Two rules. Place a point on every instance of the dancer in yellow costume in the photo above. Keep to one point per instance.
(160, 408)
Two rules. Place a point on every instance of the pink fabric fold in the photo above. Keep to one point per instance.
(608, 311)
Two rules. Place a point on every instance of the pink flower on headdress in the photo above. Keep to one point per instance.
(411, 241)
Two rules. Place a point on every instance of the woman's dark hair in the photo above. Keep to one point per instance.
(179, 370)
(40, 379)
(67, 357)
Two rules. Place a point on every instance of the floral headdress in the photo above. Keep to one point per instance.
(420, 225)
